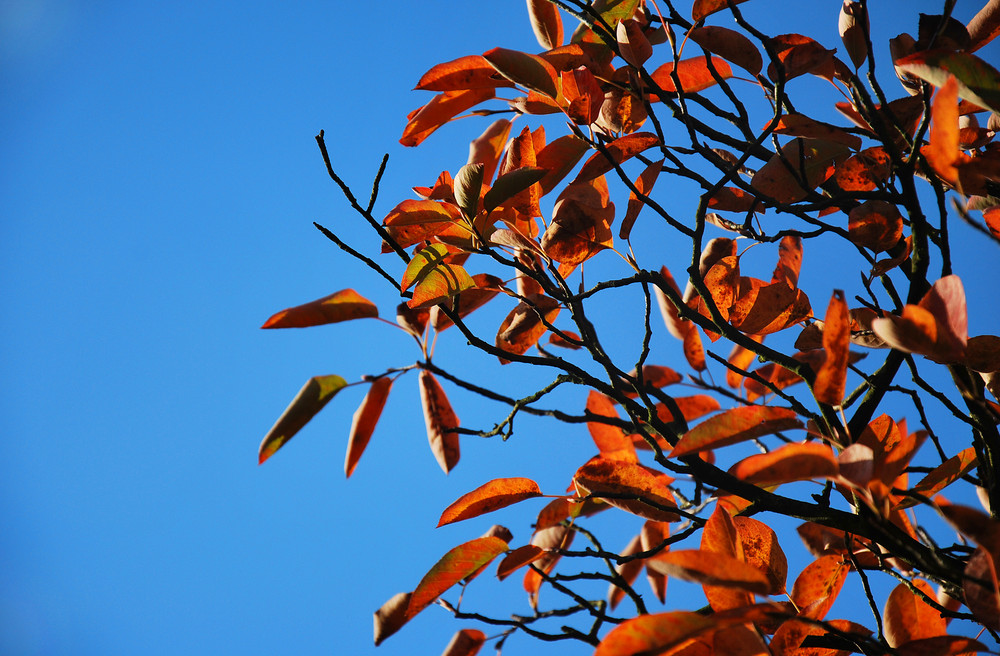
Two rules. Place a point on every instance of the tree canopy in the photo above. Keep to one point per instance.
(860, 407)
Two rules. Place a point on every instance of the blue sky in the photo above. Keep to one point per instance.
(160, 180)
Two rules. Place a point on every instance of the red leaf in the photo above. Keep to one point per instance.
(818, 585)
(802, 165)
(711, 568)
(518, 558)
(799, 125)
(454, 566)
(798, 55)
(441, 109)
(908, 617)
(618, 150)
(466, 642)
(943, 475)
(583, 95)
(612, 443)
(313, 396)
(472, 72)
(864, 171)
(630, 486)
(498, 493)
(736, 425)
(789, 261)
(704, 8)
(792, 462)
(876, 225)
(440, 420)
(936, 328)
(581, 223)
(693, 74)
(344, 305)
(762, 550)
(632, 42)
(831, 378)
(763, 309)
(719, 538)
(365, 419)
(523, 326)
(730, 45)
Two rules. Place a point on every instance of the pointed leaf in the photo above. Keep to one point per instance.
(630, 486)
(704, 8)
(422, 263)
(853, 27)
(313, 396)
(365, 419)
(736, 425)
(468, 187)
(454, 566)
(792, 462)
(799, 125)
(818, 585)
(443, 282)
(487, 147)
(943, 475)
(510, 184)
(344, 305)
(441, 109)
(864, 171)
(908, 617)
(831, 378)
(559, 158)
(498, 493)
(694, 74)
(730, 45)
(610, 440)
(472, 72)
(530, 71)
(468, 301)
(581, 223)
(629, 571)
(440, 421)
(518, 558)
(711, 568)
(762, 550)
(619, 150)
(876, 225)
(632, 42)
(802, 165)
(524, 325)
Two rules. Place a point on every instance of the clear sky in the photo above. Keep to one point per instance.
(159, 182)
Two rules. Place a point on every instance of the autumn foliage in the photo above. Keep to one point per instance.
(747, 397)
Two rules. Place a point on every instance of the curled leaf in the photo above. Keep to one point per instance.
(313, 396)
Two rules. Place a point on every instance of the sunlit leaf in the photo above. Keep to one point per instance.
(518, 558)
(817, 587)
(798, 55)
(558, 158)
(629, 571)
(441, 283)
(984, 26)
(936, 328)
(581, 223)
(632, 42)
(831, 377)
(694, 74)
(441, 109)
(644, 184)
(344, 305)
(704, 8)
(498, 493)
(454, 566)
(653, 376)
(719, 538)
(610, 440)
(466, 642)
(802, 165)
(440, 421)
(943, 475)
(790, 635)
(711, 568)
(799, 125)
(313, 396)
(472, 72)
(762, 550)
(864, 171)
(736, 425)
(365, 419)
(876, 225)
(526, 323)
(618, 151)
(510, 184)
(791, 462)
(944, 645)
(468, 301)
(630, 486)
(908, 617)
(766, 309)
(487, 147)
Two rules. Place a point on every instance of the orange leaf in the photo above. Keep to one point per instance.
(454, 566)
(730, 45)
(440, 420)
(709, 568)
(936, 328)
(472, 72)
(736, 425)
(798, 55)
(802, 165)
(441, 109)
(944, 153)
(762, 550)
(943, 645)
(344, 305)
(487, 147)
(414, 221)
(799, 125)
(766, 309)
(876, 225)
(523, 326)
(792, 462)
(468, 301)
(423, 263)
(391, 616)
(530, 71)
(313, 396)
(610, 440)
(628, 570)
(630, 486)
(731, 199)
(788, 638)
(702, 8)
(694, 75)
(498, 493)
(518, 558)
(465, 643)
(864, 171)
(719, 537)
(365, 419)
(581, 223)
(831, 378)
(441, 283)
(818, 585)
(559, 158)
(908, 617)
(618, 151)
(583, 95)
(546, 23)
(653, 376)
(943, 475)
(654, 634)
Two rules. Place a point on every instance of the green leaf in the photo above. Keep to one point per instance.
(425, 261)
(443, 282)
(978, 82)
(313, 396)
